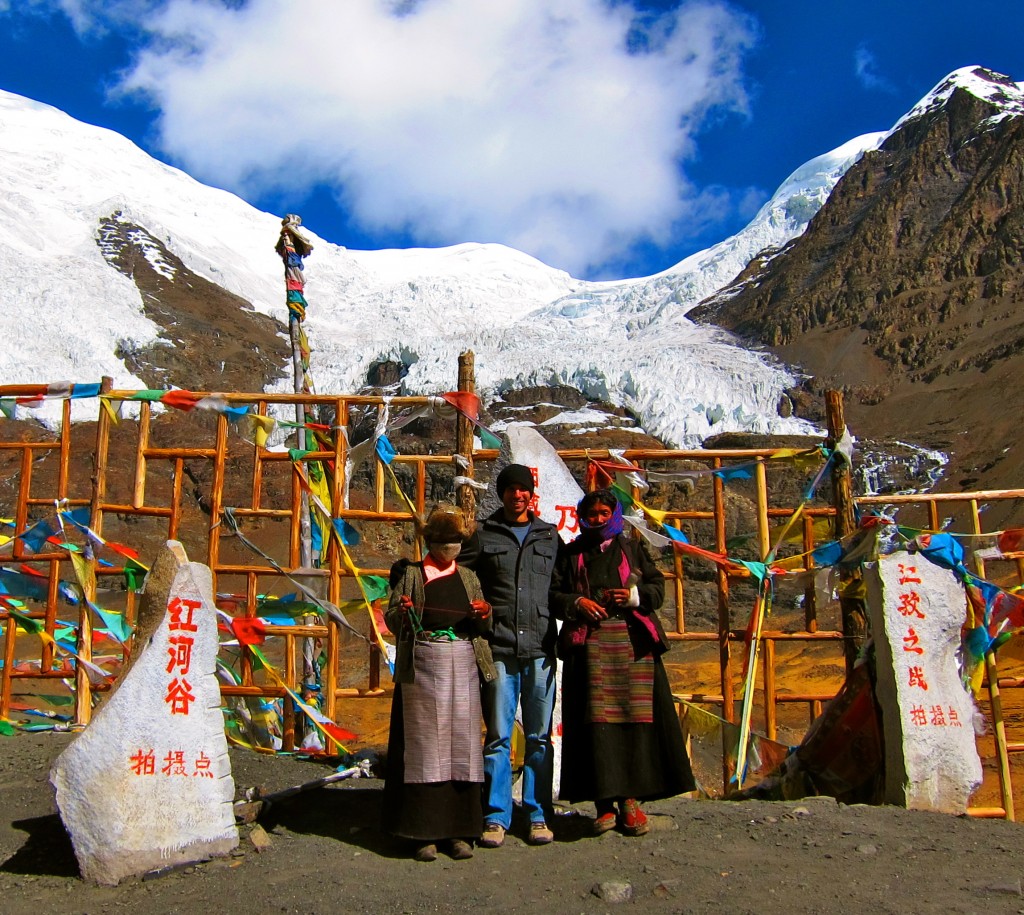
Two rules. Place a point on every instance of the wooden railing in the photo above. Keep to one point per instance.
(156, 476)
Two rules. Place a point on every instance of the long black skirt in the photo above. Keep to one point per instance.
(439, 810)
(608, 761)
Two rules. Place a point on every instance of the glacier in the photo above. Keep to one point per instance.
(628, 342)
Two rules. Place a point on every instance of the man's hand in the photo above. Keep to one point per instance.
(479, 609)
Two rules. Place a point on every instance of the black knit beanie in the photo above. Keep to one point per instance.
(514, 473)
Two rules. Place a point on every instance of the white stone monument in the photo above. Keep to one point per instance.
(148, 784)
(917, 610)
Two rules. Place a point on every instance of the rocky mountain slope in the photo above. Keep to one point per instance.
(906, 288)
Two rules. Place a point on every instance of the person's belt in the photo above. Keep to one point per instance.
(441, 635)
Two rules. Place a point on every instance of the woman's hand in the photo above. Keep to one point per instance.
(479, 609)
(617, 596)
(405, 603)
(589, 609)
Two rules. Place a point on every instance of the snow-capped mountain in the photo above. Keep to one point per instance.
(905, 290)
(73, 316)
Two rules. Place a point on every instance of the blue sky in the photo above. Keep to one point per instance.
(610, 138)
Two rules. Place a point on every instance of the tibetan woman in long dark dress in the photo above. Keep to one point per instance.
(621, 738)
(435, 765)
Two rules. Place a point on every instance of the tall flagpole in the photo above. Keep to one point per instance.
(292, 247)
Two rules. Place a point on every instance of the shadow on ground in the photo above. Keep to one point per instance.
(47, 851)
(352, 816)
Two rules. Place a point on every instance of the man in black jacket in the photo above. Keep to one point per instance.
(513, 554)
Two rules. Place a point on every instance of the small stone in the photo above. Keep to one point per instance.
(867, 849)
(801, 812)
(259, 838)
(664, 889)
(247, 811)
(613, 892)
(662, 822)
(1010, 887)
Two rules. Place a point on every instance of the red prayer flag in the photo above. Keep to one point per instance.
(338, 733)
(180, 400)
(1010, 541)
(249, 630)
(465, 402)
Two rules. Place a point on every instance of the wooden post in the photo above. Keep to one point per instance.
(851, 608)
(724, 625)
(465, 495)
(83, 688)
(994, 698)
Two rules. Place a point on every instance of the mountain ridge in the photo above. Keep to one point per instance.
(905, 290)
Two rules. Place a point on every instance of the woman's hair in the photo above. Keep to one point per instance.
(446, 524)
(604, 496)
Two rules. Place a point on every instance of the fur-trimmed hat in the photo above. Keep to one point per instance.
(447, 524)
(519, 474)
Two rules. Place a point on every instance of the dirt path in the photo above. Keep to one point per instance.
(327, 855)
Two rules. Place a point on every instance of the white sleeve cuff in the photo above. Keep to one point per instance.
(634, 597)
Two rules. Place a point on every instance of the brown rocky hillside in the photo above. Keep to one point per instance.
(906, 290)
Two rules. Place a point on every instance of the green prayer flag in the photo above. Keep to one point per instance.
(488, 439)
(374, 587)
(26, 622)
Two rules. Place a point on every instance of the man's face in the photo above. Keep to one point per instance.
(516, 501)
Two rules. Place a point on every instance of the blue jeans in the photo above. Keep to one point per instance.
(531, 684)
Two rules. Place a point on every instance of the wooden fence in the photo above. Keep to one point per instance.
(156, 476)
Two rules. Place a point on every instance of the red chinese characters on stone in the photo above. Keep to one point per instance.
(567, 520)
(175, 764)
(912, 642)
(202, 766)
(179, 691)
(181, 611)
(143, 763)
(910, 605)
(908, 575)
(935, 716)
(180, 651)
(179, 696)
(916, 678)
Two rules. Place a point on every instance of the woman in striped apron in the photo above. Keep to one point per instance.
(621, 740)
(435, 757)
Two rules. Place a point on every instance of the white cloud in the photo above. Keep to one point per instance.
(866, 67)
(555, 126)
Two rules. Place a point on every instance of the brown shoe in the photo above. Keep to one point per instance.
(459, 849)
(540, 834)
(493, 836)
(426, 852)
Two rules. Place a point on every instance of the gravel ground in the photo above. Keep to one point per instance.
(322, 851)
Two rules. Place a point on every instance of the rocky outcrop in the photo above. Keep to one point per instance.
(211, 339)
(905, 290)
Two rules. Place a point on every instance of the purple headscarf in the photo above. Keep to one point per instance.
(599, 533)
